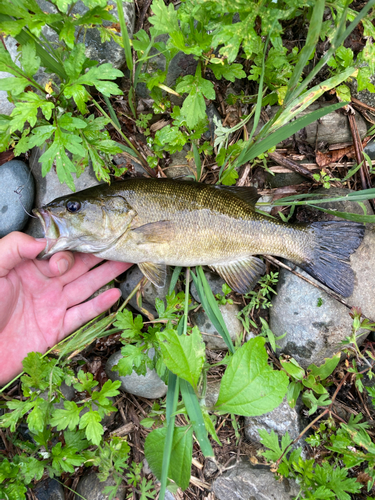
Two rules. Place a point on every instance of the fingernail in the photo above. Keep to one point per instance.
(40, 240)
(62, 265)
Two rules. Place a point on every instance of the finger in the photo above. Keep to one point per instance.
(83, 287)
(83, 262)
(81, 314)
(58, 264)
(15, 248)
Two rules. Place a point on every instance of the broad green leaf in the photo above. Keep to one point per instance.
(38, 136)
(294, 390)
(80, 96)
(29, 60)
(67, 33)
(133, 357)
(71, 123)
(165, 18)
(184, 355)
(74, 64)
(292, 367)
(68, 418)
(64, 459)
(326, 369)
(90, 421)
(131, 326)
(32, 468)
(14, 84)
(20, 408)
(63, 4)
(181, 455)
(249, 386)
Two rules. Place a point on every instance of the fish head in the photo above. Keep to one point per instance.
(89, 221)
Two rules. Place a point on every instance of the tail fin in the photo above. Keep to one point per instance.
(335, 241)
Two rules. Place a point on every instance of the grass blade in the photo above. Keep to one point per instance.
(125, 36)
(311, 41)
(347, 215)
(111, 111)
(175, 275)
(283, 133)
(365, 194)
(196, 418)
(198, 162)
(210, 306)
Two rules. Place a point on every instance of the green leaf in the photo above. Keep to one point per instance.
(324, 371)
(133, 357)
(64, 459)
(73, 65)
(184, 355)
(71, 123)
(29, 60)
(80, 96)
(67, 32)
(249, 385)
(230, 72)
(90, 421)
(14, 84)
(292, 367)
(165, 18)
(294, 390)
(131, 327)
(194, 106)
(181, 454)
(109, 389)
(20, 408)
(68, 418)
(96, 76)
(32, 468)
(26, 110)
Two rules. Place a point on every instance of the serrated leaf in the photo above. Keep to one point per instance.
(131, 326)
(184, 355)
(14, 84)
(67, 33)
(165, 18)
(90, 421)
(26, 110)
(37, 417)
(181, 454)
(29, 60)
(249, 386)
(133, 357)
(32, 468)
(68, 418)
(71, 123)
(109, 389)
(230, 72)
(74, 64)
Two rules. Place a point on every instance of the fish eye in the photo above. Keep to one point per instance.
(73, 206)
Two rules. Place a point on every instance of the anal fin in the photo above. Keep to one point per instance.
(156, 273)
(241, 275)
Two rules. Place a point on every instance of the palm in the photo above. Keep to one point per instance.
(39, 307)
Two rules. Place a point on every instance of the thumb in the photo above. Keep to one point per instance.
(15, 248)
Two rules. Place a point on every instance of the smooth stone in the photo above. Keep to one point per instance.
(215, 283)
(214, 340)
(245, 482)
(179, 166)
(15, 175)
(281, 420)
(212, 393)
(369, 149)
(148, 386)
(49, 489)
(91, 487)
(149, 292)
(49, 188)
(281, 180)
(107, 52)
(6, 106)
(332, 128)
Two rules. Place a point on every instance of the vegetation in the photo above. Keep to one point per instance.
(58, 108)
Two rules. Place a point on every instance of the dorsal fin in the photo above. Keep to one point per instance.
(248, 194)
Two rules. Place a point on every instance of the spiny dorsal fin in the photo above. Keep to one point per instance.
(248, 194)
(241, 275)
(155, 232)
(156, 273)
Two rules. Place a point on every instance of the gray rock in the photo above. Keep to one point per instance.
(15, 176)
(123, 161)
(91, 488)
(212, 113)
(49, 489)
(67, 391)
(281, 180)
(49, 187)
(370, 149)
(107, 52)
(215, 282)
(332, 128)
(212, 393)
(245, 482)
(280, 420)
(149, 292)
(179, 166)
(147, 386)
(210, 467)
(211, 337)
(6, 106)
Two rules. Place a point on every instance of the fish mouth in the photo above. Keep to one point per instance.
(54, 232)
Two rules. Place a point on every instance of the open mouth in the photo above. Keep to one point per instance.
(53, 231)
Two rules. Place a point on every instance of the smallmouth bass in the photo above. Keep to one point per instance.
(160, 222)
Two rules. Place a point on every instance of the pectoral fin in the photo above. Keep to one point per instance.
(241, 275)
(156, 273)
(155, 232)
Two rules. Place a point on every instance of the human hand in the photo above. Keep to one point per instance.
(41, 301)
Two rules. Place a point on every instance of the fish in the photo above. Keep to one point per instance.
(156, 223)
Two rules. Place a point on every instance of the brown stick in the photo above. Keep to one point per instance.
(291, 165)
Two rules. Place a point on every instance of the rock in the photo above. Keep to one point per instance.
(49, 489)
(123, 161)
(49, 187)
(107, 52)
(211, 337)
(246, 482)
(281, 180)
(215, 283)
(67, 391)
(370, 149)
(6, 106)
(210, 467)
(91, 488)
(179, 167)
(212, 113)
(281, 420)
(212, 393)
(331, 129)
(15, 176)
(148, 386)
(149, 292)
